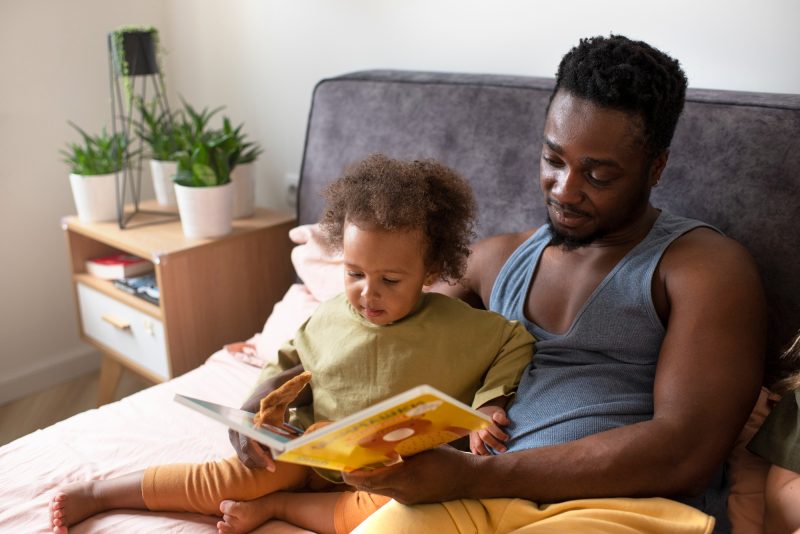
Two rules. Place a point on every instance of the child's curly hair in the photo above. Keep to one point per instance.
(398, 195)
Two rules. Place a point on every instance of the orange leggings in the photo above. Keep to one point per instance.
(201, 487)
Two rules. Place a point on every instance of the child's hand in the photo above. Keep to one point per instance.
(250, 452)
(492, 436)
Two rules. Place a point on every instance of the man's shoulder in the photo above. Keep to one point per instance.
(702, 243)
(503, 244)
(704, 252)
(488, 257)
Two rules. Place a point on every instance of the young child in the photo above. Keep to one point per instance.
(778, 442)
(400, 226)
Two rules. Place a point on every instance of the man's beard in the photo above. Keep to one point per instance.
(570, 243)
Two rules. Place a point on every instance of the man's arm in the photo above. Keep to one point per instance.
(707, 380)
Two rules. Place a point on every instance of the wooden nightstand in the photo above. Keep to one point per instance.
(212, 292)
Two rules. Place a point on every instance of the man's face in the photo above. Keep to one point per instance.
(384, 272)
(595, 173)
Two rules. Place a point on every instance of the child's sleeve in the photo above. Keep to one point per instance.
(513, 356)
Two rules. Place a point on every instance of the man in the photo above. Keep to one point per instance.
(650, 331)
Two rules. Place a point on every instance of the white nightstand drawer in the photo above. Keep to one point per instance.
(130, 332)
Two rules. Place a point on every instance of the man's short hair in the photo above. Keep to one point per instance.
(632, 76)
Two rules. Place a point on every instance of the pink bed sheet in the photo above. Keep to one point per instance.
(140, 430)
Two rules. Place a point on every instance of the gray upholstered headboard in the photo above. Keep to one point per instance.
(735, 158)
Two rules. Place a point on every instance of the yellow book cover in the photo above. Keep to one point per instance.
(418, 419)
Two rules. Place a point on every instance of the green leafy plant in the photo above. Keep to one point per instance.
(247, 151)
(206, 155)
(206, 163)
(97, 154)
(160, 131)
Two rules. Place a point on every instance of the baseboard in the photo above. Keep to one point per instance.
(53, 370)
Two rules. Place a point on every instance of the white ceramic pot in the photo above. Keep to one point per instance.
(244, 190)
(95, 196)
(205, 211)
(162, 172)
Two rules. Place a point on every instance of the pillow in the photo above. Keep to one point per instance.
(748, 473)
(321, 272)
(287, 316)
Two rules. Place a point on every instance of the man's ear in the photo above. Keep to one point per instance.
(657, 167)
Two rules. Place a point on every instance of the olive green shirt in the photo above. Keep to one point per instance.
(472, 355)
(778, 439)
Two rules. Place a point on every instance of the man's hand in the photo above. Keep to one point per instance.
(493, 436)
(437, 475)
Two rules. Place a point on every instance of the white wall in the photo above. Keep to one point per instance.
(261, 59)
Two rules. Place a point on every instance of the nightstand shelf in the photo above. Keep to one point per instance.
(212, 292)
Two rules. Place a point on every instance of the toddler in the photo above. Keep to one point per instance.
(400, 226)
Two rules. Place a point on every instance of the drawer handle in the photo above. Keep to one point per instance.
(119, 324)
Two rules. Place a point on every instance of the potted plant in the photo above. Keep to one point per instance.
(93, 166)
(242, 170)
(203, 186)
(162, 135)
(134, 51)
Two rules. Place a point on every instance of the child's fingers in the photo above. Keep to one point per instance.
(476, 445)
(259, 456)
(496, 432)
(501, 418)
(491, 440)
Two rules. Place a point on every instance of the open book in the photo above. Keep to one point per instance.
(418, 419)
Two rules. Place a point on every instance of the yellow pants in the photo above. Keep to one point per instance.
(518, 516)
(201, 487)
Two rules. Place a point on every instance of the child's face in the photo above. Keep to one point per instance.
(384, 272)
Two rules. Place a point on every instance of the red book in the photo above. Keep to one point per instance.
(118, 266)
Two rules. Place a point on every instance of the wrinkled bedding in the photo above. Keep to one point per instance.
(145, 428)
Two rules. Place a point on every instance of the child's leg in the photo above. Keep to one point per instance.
(324, 513)
(201, 487)
(77, 501)
(174, 488)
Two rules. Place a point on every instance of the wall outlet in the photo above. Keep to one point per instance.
(290, 181)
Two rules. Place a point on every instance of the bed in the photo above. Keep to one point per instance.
(734, 164)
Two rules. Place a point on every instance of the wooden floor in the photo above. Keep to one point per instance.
(59, 402)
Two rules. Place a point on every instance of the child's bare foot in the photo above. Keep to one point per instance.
(239, 517)
(72, 505)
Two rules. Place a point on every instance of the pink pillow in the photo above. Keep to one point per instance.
(748, 473)
(287, 316)
(322, 273)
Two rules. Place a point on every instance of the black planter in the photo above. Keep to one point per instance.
(139, 52)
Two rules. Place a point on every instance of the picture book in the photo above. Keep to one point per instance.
(411, 422)
(118, 266)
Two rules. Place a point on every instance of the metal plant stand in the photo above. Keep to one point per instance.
(132, 67)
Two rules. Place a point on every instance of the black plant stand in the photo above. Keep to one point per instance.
(132, 69)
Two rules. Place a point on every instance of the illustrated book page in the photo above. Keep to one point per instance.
(418, 419)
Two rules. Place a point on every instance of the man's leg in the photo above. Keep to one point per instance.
(517, 516)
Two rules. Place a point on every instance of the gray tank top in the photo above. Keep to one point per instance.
(599, 374)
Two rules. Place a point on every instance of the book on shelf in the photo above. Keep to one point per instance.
(411, 422)
(144, 287)
(117, 266)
